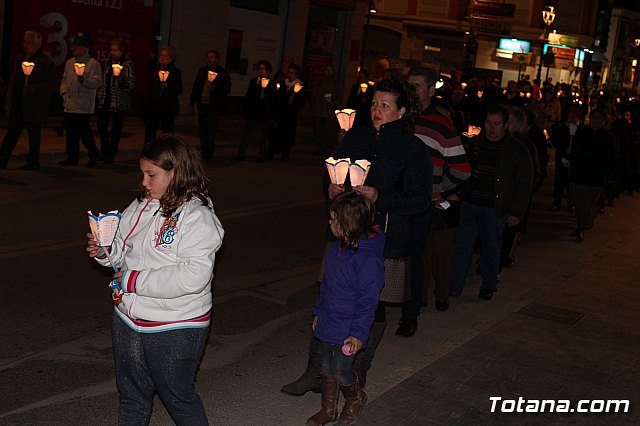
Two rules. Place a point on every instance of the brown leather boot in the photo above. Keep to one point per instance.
(355, 398)
(329, 411)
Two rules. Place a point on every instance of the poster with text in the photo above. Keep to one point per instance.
(58, 20)
(253, 36)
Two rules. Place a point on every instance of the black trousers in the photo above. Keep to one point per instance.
(12, 137)
(110, 140)
(560, 183)
(208, 119)
(79, 128)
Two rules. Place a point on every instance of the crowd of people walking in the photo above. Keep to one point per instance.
(438, 190)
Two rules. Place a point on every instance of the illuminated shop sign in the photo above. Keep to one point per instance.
(514, 45)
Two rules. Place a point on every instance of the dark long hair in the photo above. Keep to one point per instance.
(189, 180)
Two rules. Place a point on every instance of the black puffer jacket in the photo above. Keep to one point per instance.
(401, 171)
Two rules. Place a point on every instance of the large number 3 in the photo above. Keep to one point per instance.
(58, 22)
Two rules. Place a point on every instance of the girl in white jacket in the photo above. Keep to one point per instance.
(165, 252)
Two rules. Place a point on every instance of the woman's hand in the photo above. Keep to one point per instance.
(368, 192)
(335, 189)
(354, 343)
(92, 246)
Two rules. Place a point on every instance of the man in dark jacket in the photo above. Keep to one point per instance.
(257, 107)
(209, 93)
(591, 165)
(562, 139)
(27, 105)
(501, 182)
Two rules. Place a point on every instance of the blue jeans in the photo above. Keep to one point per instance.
(477, 223)
(337, 364)
(165, 363)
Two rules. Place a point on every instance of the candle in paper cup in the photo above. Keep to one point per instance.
(297, 87)
(116, 68)
(79, 67)
(480, 93)
(211, 75)
(163, 75)
(264, 82)
(345, 118)
(372, 83)
(27, 67)
(472, 131)
(364, 87)
(278, 86)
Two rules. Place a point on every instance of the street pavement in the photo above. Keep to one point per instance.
(563, 326)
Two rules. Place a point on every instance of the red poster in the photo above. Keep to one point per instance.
(58, 20)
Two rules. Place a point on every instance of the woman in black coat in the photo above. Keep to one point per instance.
(399, 183)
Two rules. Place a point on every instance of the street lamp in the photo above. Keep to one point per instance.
(548, 16)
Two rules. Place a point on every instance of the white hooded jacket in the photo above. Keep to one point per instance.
(167, 263)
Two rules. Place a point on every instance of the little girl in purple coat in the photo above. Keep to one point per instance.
(349, 293)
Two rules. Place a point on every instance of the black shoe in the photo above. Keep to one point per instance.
(260, 160)
(579, 237)
(442, 306)
(601, 210)
(407, 328)
(485, 294)
(68, 162)
(239, 158)
(555, 208)
(91, 163)
(307, 383)
(30, 166)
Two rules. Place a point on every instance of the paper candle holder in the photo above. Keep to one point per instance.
(211, 76)
(104, 226)
(264, 82)
(364, 87)
(79, 68)
(116, 68)
(27, 68)
(297, 87)
(472, 131)
(358, 171)
(338, 169)
(163, 76)
(345, 118)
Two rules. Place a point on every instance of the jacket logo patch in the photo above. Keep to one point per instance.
(167, 233)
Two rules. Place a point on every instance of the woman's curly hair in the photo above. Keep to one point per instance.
(189, 180)
(405, 96)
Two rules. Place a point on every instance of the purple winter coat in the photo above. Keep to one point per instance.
(350, 291)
